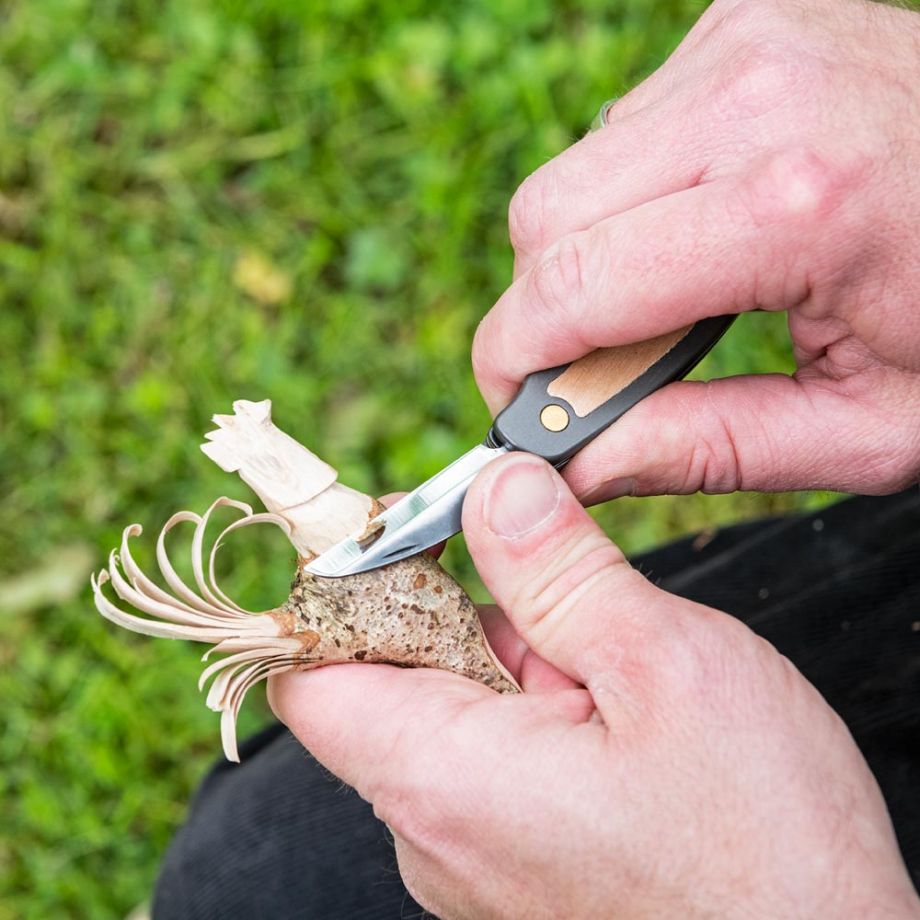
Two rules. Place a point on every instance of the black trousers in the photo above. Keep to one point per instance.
(837, 591)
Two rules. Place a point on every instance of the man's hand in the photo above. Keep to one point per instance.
(663, 761)
(772, 162)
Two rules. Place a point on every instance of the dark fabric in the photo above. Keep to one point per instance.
(837, 591)
(278, 836)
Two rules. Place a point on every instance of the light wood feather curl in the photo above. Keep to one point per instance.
(411, 613)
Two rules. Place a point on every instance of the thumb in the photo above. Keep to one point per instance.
(567, 590)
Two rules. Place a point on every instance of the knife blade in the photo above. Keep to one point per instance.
(554, 414)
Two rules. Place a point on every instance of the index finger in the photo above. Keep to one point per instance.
(725, 247)
(376, 726)
(637, 157)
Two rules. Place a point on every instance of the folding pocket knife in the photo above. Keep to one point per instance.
(554, 414)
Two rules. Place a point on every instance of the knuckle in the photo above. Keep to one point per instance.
(713, 20)
(722, 469)
(555, 285)
(763, 75)
(745, 17)
(714, 464)
(734, 20)
(697, 448)
(528, 215)
(794, 185)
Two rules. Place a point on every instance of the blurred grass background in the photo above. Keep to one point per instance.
(201, 201)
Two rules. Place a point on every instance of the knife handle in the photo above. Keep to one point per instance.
(557, 411)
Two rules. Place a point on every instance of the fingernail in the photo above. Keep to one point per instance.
(616, 488)
(521, 497)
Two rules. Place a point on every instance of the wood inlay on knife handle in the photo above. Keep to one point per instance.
(558, 410)
(590, 381)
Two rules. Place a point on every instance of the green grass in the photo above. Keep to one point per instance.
(201, 201)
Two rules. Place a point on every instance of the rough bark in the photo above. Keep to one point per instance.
(411, 613)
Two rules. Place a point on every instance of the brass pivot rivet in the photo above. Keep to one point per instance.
(554, 418)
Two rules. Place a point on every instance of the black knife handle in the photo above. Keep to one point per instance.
(557, 411)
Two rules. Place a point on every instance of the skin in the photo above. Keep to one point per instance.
(770, 163)
(664, 760)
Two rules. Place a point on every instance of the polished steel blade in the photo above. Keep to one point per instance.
(423, 518)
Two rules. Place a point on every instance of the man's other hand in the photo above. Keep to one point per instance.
(663, 760)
